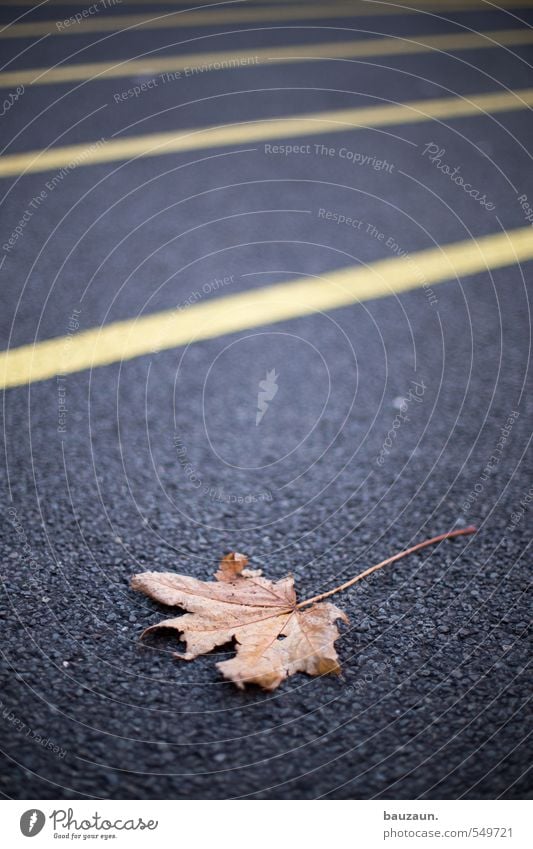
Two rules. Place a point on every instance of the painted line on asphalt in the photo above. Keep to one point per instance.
(197, 63)
(125, 340)
(264, 129)
(211, 17)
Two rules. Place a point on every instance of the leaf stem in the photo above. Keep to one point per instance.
(449, 535)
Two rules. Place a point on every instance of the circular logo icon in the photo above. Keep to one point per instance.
(32, 822)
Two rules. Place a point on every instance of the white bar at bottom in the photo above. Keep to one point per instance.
(233, 824)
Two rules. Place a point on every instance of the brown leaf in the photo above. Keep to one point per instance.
(273, 637)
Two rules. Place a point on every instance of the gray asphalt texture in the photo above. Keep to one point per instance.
(162, 467)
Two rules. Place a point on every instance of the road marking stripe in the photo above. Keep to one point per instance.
(210, 17)
(405, 45)
(335, 121)
(125, 340)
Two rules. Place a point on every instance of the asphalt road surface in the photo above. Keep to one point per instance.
(396, 408)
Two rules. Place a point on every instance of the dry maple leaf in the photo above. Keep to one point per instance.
(274, 635)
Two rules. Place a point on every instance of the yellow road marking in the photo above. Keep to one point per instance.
(405, 45)
(335, 121)
(211, 17)
(125, 340)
